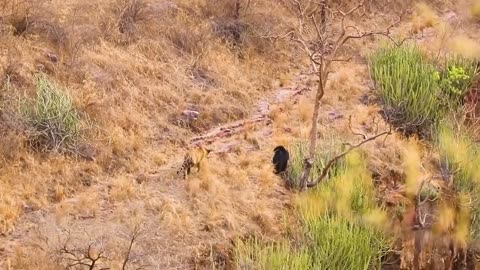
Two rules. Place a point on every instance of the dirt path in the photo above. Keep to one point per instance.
(261, 116)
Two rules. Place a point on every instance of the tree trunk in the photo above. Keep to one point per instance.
(313, 132)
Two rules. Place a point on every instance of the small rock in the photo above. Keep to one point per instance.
(335, 115)
(191, 115)
(52, 57)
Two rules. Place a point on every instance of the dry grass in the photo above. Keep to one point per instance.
(133, 67)
(424, 17)
(465, 46)
(173, 57)
(475, 9)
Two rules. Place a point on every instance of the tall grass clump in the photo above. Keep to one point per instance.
(254, 254)
(418, 92)
(407, 85)
(51, 119)
(343, 221)
(460, 157)
(327, 149)
(342, 227)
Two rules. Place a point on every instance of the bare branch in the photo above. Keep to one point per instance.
(79, 256)
(133, 237)
(331, 162)
(351, 129)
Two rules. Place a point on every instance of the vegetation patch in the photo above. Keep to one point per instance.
(342, 228)
(52, 122)
(417, 94)
(460, 157)
(327, 150)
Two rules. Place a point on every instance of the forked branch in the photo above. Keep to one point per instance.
(332, 161)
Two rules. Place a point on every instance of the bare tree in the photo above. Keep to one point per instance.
(132, 237)
(74, 254)
(83, 257)
(321, 32)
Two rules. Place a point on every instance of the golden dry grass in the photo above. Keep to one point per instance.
(131, 67)
(424, 17)
(133, 75)
(475, 9)
(465, 46)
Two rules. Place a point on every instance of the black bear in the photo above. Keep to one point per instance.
(280, 159)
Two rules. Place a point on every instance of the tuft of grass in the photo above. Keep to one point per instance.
(465, 46)
(460, 157)
(424, 17)
(341, 244)
(52, 121)
(254, 254)
(327, 149)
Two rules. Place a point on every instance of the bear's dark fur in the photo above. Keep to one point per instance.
(280, 159)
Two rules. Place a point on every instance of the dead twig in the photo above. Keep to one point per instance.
(332, 161)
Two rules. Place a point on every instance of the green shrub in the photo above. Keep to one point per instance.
(417, 94)
(456, 79)
(407, 85)
(52, 122)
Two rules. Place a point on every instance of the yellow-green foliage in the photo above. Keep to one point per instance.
(51, 117)
(415, 91)
(342, 227)
(327, 149)
(461, 156)
(341, 218)
(476, 9)
(456, 78)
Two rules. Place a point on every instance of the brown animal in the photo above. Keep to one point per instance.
(193, 158)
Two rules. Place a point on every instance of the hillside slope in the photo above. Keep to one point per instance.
(134, 70)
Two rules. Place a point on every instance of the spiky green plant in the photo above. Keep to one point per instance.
(416, 93)
(53, 124)
(407, 84)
